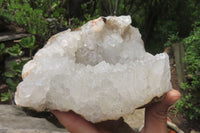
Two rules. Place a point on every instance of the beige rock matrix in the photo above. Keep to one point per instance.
(100, 71)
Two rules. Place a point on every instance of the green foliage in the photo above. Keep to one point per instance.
(32, 16)
(2, 49)
(89, 14)
(190, 102)
(12, 79)
(7, 96)
(2, 52)
(173, 38)
(52, 9)
(24, 15)
(28, 42)
(13, 75)
(14, 50)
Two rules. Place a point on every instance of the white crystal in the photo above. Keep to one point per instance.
(100, 71)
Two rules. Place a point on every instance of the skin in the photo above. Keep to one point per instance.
(155, 119)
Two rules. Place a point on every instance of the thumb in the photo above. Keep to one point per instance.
(156, 114)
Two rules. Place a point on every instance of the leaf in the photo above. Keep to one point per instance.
(1, 2)
(16, 67)
(4, 97)
(14, 50)
(11, 83)
(9, 74)
(55, 4)
(56, 14)
(2, 48)
(28, 42)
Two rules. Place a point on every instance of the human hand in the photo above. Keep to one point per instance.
(155, 119)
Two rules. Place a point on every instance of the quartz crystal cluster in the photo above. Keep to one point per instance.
(100, 71)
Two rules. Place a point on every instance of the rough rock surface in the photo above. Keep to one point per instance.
(193, 131)
(13, 120)
(100, 71)
(136, 120)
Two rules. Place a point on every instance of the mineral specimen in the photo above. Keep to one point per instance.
(100, 71)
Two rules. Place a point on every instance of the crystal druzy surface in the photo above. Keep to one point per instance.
(100, 71)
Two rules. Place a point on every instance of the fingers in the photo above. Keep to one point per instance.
(74, 123)
(114, 126)
(156, 114)
(155, 117)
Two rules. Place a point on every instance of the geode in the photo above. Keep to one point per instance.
(100, 71)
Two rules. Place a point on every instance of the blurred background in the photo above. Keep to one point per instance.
(171, 26)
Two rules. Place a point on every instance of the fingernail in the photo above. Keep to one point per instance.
(175, 95)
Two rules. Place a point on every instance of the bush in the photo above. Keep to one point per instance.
(173, 38)
(13, 75)
(24, 15)
(36, 18)
(190, 101)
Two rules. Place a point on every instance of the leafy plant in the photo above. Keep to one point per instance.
(28, 43)
(13, 74)
(2, 49)
(88, 15)
(24, 15)
(6, 96)
(190, 103)
(12, 79)
(14, 50)
(173, 38)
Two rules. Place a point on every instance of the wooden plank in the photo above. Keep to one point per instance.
(12, 36)
(179, 53)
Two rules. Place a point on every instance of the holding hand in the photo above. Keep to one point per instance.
(155, 119)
